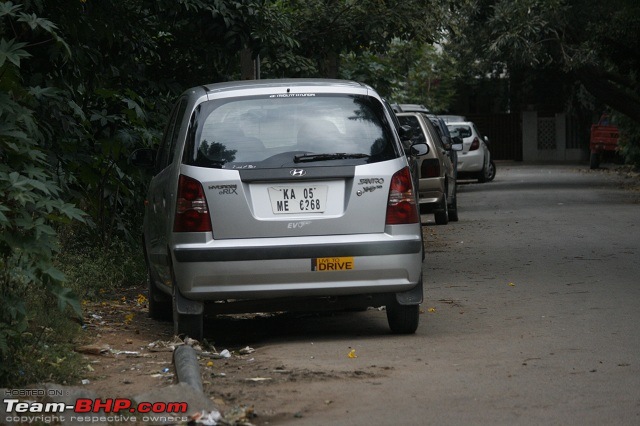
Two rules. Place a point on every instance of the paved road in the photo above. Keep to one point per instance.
(532, 317)
(547, 274)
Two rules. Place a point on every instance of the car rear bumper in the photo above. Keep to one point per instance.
(431, 190)
(431, 197)
(238, 270)
(471, 161)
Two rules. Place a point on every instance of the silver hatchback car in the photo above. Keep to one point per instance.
(437, 189)
(282, 195)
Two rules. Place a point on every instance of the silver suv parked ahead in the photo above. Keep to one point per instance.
(281, 194)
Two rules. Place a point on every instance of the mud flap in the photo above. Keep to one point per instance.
(411, 297)
(184, 306)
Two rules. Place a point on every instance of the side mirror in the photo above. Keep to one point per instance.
(419, 149)
(144, 158)
(486, 140)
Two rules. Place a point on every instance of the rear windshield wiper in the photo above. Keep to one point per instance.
(306, 158)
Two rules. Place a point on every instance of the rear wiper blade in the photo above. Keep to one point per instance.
(306, 158)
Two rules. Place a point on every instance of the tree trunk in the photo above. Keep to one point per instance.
(247, 65)
(330, 65)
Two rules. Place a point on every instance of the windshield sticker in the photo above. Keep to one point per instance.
(293, 95)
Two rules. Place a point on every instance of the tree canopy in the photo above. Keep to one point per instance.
(595, 43)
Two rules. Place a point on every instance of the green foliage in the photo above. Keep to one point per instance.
(379, 71)
(92, 271)
(45, 349)
(326, 29)
(409, 72)
(629, 142)
(31, 206)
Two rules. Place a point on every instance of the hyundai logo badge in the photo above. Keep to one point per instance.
(297, 172)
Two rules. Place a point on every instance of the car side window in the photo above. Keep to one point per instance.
(435, 134)
(166, 153)
(478, 132)
(462, 131)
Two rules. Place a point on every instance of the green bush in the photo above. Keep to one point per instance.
(93, 270)
(629, 142)
(31, 207)
(43, 351)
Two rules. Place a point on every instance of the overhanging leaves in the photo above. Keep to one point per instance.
(12, 51)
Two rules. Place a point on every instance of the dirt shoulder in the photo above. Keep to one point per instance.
(126, 352)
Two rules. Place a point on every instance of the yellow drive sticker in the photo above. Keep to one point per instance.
(332, 264)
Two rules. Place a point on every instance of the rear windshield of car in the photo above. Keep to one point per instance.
(412, 121)
(270, 131)
(460, 130)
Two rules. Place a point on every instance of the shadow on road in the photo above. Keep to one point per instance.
(251, 329)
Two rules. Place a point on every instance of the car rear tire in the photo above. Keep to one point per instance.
(453, 208)
(594, 160)
(442, 214)
(453, 212)
(403, 319)
(160, 306)
(490, 173)
(422, 211)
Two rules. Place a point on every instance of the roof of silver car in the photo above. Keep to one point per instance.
(460, 123)
(285, 82)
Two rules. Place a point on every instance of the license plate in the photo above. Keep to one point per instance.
(298, 199)
(332, 264)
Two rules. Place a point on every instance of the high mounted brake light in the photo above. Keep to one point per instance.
(401, 206)
(192, 211)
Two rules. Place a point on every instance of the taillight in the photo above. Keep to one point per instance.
(401, 207)
(475, 144)
(192, 212)
(429, 168)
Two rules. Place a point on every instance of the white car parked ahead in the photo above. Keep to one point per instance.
(475, 159)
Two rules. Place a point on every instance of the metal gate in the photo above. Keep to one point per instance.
(504, 132)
